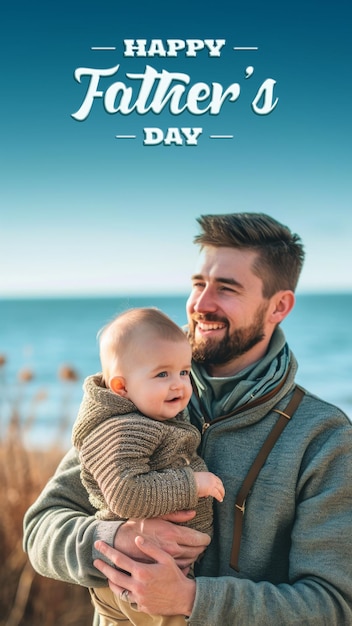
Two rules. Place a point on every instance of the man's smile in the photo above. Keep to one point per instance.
(205, 326)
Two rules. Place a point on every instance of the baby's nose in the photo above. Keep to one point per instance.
(176, 383)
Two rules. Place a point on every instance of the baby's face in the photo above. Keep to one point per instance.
(157, 377)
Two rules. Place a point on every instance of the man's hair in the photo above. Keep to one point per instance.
(280, 252)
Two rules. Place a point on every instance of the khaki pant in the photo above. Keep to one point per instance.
(114, 611)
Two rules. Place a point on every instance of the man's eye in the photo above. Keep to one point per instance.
(162, 375)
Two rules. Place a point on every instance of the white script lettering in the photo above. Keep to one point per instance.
(156, 90)
(266, 94)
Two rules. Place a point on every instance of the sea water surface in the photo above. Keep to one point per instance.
(40, 336)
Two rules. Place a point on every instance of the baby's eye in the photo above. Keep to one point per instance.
(185, 372)
(161, 375)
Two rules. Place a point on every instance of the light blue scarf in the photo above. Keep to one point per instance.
(223, 395)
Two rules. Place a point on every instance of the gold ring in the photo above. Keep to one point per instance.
(124, 595)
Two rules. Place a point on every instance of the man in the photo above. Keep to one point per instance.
(281, 552)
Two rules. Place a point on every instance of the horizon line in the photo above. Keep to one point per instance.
(152, 294)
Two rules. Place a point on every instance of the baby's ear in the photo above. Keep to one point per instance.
(117, 384)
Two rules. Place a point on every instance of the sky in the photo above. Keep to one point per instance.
(88, 209)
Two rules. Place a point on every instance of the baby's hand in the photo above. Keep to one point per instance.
(209, 485)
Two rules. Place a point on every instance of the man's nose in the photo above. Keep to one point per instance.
(205, 302)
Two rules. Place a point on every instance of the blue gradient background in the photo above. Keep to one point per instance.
(85, 213)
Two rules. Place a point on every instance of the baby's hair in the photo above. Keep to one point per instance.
(116, 336)
(127, 322)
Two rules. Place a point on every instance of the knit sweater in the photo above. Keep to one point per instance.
(134, 466)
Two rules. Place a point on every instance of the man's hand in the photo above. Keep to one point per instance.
(157, 587)
(184, 544)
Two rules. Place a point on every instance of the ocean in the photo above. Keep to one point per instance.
(48, 347)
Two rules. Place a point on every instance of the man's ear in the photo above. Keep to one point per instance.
(117, 384)
(282, 304)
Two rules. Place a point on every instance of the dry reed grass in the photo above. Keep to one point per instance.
(27, 599)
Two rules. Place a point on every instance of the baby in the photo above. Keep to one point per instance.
(138, 450)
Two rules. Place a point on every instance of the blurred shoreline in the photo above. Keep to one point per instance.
(48, 346)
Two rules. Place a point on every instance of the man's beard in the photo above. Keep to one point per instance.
(240, 341)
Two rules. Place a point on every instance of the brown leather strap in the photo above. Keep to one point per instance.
(258, 463)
